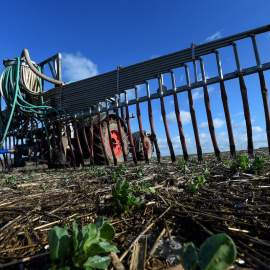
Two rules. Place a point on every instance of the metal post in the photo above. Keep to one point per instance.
(132, 147)
(225, 105)
(141, 127)
(163, 112)
(151, 121)
(91, 137)
(243, 90)
(78, 140)
(178, 118)
(70, 144)
(193, 116)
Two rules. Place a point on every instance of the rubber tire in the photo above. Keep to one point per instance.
(99, 156)
(140, 155)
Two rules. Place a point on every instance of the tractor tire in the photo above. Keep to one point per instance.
(140, 154)
(99, 156)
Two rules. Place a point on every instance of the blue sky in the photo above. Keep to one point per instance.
(97, 36)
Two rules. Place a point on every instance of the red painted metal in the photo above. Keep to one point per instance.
(169, 141)
(78, 141)
(132, 147)
(227, 117)
(264, 92)
(85, 138)
(110, 140)
(153, 133)
(243, 90)
(141, 132)
(91, 140)
(180, 128)
(102, 139)
(120, 134)
(210, 121)
(70, 144)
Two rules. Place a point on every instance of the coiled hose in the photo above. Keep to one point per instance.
(16, 79)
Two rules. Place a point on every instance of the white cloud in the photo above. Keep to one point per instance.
(77, 67)
(155, 56)
(171, 118)
(240, 113)
(216, 35)
(257, 129)
(240, 125)
(197, 94)
(182, 77)
(217, 124)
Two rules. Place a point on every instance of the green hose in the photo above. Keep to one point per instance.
(15, 100)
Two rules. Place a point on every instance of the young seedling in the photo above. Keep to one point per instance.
(218, 252)
(85, 249)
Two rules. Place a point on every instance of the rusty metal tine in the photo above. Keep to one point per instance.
(53, 133)
(120, 131)
(138, 111)
(132, 147)
(193, 116)
(225, 106)
(109, 134)
(91, 138)
(163, 112)
(264, 90)
(178, 118)
(78, 139)
(70, 144)
(151, 121)
(208, 111)
(101, 137)
(60, 136)
(243, 90)
(85, 138)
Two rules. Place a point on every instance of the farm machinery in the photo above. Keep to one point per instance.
(89, 120)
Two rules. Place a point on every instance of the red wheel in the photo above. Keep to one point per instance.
(116, 143)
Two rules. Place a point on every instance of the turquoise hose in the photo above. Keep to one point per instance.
(15, 100)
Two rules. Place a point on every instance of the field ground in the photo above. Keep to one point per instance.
(236, 202)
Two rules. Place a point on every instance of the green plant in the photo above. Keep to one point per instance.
(139, 172)
(227, 162)
(194, 161)
(186, 169)
(85, 249)
(258, 164)
(218, 252)
(206, 171)
(144, 187)
(181, 161)
(11, 180)
(45, 186)
(30, 176)
(193, 170)
(193, 187)
(163, 167)
(201, 179)
(242, 162)
(123, 197)
(121, 170)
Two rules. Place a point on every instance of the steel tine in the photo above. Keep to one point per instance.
(78, 140)
(193, 116)
(85, 138)
(101, 137)
(151, 121)
(109, 134)
(70, 144)
(163, 112)
(178, 118)
(53, 133)
(120, 130)
(132, 147)
(91, 138)
(138, 111)
(264, 89)
(243, 90)
(208, 111)
(225, 106)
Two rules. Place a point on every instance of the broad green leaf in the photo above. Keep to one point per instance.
(107, 232)
(217, 252)
(58, 240)
(99, 222)
(95, 249)
(97, 262)
(91, 237)
(108, 247)
(75, 235)
(189, 257)
(152, 189)
(81, 235)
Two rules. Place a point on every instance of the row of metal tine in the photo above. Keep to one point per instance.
(89, 142)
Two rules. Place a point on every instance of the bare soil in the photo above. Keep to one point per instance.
(236, 202)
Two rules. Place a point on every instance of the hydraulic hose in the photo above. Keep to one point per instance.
(25, 53)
